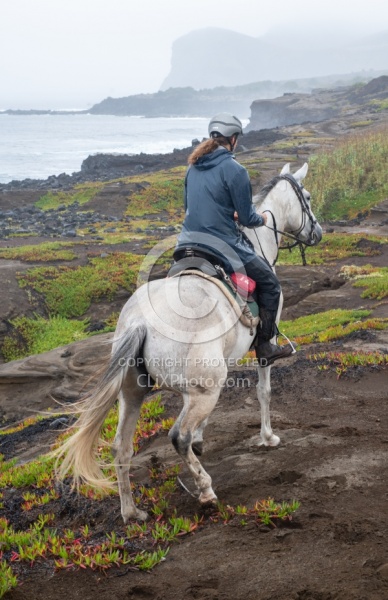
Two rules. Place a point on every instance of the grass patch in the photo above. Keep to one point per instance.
(47, 251)
(167, 183)
(22, 425)
(361, 123)
(81, 193)
(34, 336)
(335, 246)
(22, 235)
(351, 177)
(286, 145)
(249, 162)
(46, 543)
(341, 362)
(69, 292)
(121, 237)
(374, 279)
(139, 223)
(164, 193)
(254, 174)
(329, 325)
(380, 104)
(124, 232)
(307, 133)
(267, 159)
(350, 206)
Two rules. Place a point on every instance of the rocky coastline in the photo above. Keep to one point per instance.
(20, 216)
(190, 102)
(105, 167)
(267, 118)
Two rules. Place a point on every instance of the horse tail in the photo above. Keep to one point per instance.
(77, 455)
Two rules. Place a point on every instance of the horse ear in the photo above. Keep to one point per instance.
(301, 174)
(285, 170)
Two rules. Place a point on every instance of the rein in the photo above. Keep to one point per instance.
(306, 213)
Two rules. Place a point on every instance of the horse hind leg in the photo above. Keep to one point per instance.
(184, 436)
(130, 401)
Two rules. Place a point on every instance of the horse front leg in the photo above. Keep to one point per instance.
(267, 437)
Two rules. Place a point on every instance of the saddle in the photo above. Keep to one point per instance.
(237, 288)
(193, 258)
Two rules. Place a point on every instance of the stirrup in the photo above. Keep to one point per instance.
(288, 340)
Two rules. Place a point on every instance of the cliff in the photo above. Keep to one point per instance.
(320, 105)
(206, 58)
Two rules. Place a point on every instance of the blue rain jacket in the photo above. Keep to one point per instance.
(216, 186)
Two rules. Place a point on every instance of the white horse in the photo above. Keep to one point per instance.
(185, 331)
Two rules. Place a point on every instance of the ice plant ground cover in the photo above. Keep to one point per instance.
(45, 540)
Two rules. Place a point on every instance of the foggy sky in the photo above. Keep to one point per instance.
(74, 53)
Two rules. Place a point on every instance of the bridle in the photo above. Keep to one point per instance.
(294, 234)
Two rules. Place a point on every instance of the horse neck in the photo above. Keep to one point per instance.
(265, 242)
(277, 206)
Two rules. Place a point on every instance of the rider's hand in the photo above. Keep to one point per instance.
(265, 218)
(235, 216)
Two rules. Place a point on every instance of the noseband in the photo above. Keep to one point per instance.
(293, 235)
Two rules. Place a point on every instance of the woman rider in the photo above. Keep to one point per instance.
(217, 187)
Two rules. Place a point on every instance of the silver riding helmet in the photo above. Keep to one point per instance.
(226, 125)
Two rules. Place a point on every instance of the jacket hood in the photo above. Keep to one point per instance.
(208, 161)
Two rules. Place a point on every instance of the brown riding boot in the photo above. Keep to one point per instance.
(266, 352)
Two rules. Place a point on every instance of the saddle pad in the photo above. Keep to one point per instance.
(252, 305)
(244, 312)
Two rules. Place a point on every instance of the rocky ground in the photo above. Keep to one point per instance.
(333, 452)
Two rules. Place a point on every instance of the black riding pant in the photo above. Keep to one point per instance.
(267, 284)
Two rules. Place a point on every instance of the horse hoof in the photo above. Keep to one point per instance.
(138, 515)
(272, 441)
(208, 500)
(197, 448)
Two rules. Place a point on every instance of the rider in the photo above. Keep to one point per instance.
(216, 188)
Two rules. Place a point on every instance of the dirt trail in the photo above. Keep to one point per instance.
(332, 458)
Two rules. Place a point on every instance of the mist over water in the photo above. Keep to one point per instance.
(38, 146)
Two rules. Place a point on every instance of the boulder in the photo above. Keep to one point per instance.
(34, 384)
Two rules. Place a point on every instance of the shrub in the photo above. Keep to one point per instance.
(351, 177)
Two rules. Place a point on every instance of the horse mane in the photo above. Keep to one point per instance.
(260, 197)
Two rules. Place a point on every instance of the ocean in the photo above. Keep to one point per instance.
(37, 146)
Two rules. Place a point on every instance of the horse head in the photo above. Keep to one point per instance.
(301, 221)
